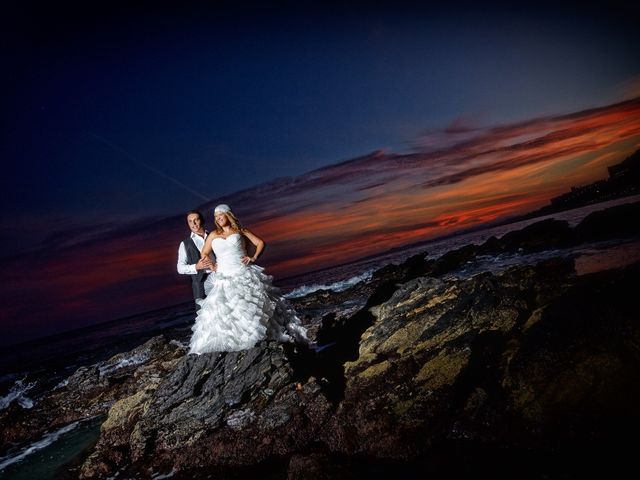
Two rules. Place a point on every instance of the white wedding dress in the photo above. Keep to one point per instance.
(242, 306)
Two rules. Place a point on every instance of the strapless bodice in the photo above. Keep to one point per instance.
(229, 252)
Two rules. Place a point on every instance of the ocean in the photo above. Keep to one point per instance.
(589, 256)
(30, 369)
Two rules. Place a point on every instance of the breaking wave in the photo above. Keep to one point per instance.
(17, 393)
(335, 287)
(45, 441)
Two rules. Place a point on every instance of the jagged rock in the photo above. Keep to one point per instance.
(519, 358)
(232, 408)
(453, 260)
(337, 320)
(513, 359)
(492, 246)
(328, 307)
(400, 390)
(570, 373)
(90, 391)
(543, 235)
(86, 378)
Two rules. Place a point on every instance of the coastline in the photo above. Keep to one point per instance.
(338, 320)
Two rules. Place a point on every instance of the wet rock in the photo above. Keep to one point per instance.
(544, 235)
(532, 358)
(527, 358)
(570, 373)
(453, 260)
(425, 339)
(327, 309)
(86, 379)
(232, 408)
(342, 322)
(492, 246)
(89, 392)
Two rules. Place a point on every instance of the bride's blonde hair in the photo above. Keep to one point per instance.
(235, 223)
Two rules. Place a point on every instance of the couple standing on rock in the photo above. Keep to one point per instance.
(238, 304)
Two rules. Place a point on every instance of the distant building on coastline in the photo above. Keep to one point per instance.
(624, 179)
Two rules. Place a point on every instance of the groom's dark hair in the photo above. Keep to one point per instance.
(197, 212)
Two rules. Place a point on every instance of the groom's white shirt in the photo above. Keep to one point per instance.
(184, 267)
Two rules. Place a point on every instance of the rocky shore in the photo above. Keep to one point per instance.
(530, 372)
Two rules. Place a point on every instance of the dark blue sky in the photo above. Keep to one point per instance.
(118, 113)
(117, 118)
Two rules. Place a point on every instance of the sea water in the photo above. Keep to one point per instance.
(52, 455)
(599, 253)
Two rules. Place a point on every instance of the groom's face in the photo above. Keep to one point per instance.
(194, 222)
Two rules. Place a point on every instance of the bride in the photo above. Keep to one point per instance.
(242, 306)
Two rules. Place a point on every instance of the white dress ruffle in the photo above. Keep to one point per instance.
(242, 307)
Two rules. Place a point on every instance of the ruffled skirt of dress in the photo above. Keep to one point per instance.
(240, 310)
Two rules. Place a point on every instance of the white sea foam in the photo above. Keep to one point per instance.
(498, 263)
(45, 441)
(62, 384)
(133, 360)
(178, 343)
(334, 287)
(17, 393)
(158, 476)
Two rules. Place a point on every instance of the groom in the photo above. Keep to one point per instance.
(189, 261)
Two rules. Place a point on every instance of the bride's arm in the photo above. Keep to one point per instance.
(206, 250)
(257, 242)
(205, 259)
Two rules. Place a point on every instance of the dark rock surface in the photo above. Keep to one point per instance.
(332, 309)
(89, 392)
(519, 358)
(534, 366)
(544, 235)
(228, 409)
(615, 222)
(528, 359)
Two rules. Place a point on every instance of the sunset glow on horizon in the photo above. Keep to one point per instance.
(387, 200)
(347, 211)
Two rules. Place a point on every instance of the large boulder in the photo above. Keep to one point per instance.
(532, 358)
(615, 222)
(543, 235)
(222, 409)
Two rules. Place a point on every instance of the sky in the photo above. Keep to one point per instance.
(334, 132)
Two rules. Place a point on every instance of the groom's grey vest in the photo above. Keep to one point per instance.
(197, 280)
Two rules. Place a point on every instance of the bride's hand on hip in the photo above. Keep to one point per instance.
(247, 260)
